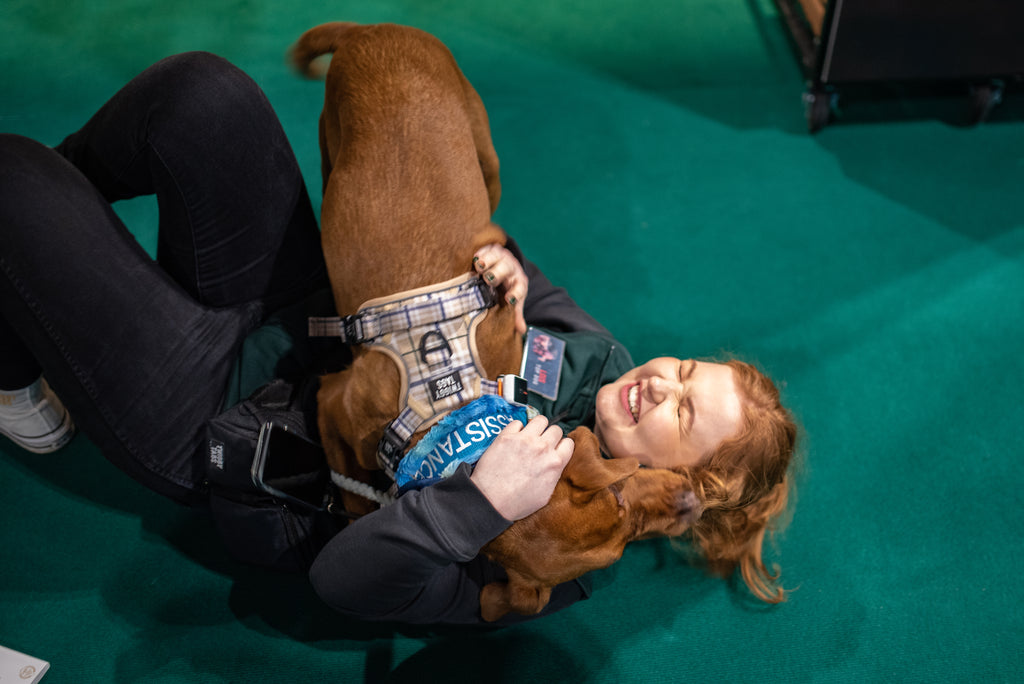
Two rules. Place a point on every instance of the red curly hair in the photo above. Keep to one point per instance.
(745, 484)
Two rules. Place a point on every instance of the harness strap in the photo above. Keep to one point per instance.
(432, 386)
(373, 322)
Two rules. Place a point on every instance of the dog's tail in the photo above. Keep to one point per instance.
(317, 41)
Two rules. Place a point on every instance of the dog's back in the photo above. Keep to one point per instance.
(410, 173)
(410, 183)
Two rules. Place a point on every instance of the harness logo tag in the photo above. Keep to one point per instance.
(445, 386)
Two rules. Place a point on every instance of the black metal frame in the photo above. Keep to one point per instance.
(976, 42)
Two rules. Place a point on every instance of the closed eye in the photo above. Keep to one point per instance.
(687, 413)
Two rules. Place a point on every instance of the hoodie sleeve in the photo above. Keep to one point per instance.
(416, 561)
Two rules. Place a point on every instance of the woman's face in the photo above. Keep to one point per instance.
(668, 412)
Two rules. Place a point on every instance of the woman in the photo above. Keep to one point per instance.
(144, 354)
(721, 424)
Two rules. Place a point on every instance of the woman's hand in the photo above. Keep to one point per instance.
(520, 469)
(503, 271)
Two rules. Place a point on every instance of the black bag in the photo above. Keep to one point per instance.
(259, 527)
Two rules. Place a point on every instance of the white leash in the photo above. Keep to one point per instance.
(361, 488)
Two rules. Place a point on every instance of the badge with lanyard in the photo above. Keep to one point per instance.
(542, 362)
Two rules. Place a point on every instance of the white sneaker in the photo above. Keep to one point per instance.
(34, 419)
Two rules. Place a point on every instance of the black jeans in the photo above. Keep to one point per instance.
(138, 350)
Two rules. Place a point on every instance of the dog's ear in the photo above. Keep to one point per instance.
(588, 470)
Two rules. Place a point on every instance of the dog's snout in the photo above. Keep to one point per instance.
(688, 506)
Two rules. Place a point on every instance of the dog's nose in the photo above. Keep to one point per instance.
(688, 506)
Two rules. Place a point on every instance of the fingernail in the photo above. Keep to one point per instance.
(489, 276)
(512, 301)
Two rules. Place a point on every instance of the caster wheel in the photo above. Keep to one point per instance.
(818, 109)
(984, 98)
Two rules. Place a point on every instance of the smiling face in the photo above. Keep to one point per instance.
(669, 412)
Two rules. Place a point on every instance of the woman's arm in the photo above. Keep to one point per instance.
(416, 561)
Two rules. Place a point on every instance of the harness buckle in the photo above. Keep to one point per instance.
(350, 329)
(390, 450)
(512, 389)
(488, 296)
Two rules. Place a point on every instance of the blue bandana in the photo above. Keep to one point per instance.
(460, 437)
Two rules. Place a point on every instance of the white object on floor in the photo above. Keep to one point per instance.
(21, 668)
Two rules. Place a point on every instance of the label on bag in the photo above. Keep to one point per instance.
(18, 667)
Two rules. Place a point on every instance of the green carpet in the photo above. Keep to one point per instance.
(655, 162)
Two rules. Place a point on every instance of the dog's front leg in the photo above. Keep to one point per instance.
(355, 405)
(346, 419)
(517, 595)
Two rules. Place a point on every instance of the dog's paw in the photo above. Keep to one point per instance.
(515, 596)
(494, 601)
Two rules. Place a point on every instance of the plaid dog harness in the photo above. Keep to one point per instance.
(430, 333)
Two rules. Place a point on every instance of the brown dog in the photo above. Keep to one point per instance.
(410, 183)
(598, 506)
